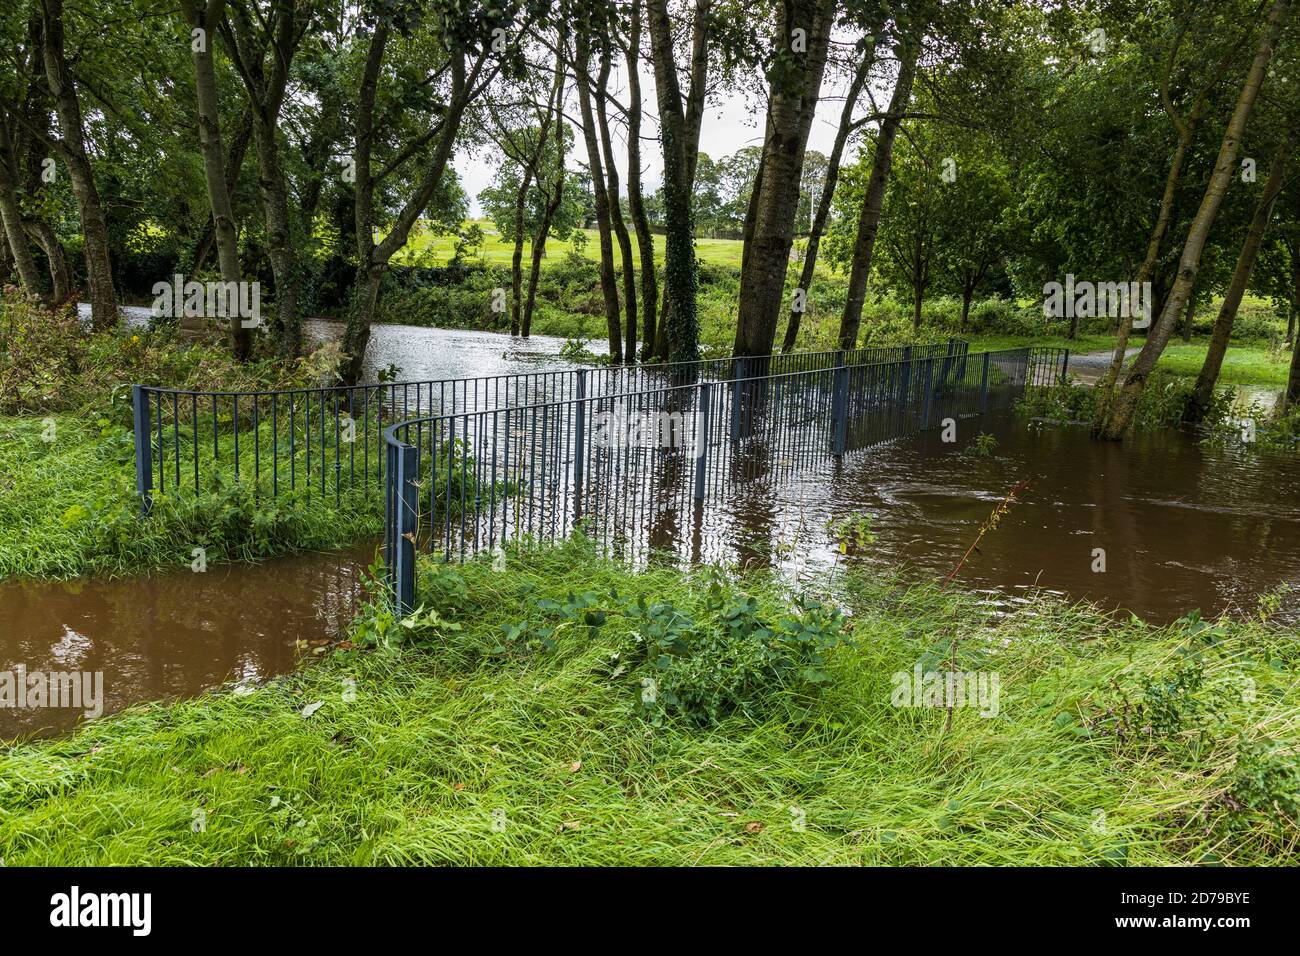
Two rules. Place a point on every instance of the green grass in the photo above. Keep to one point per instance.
(1104, 751)
(68, 506)
(496, 251)
(1243, 363)
(1251, 360)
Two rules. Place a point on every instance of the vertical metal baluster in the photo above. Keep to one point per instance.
(234, 418)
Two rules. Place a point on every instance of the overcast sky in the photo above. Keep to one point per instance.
(732, 121)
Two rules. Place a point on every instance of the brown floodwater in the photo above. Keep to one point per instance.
(1183, 527)
(164, 636)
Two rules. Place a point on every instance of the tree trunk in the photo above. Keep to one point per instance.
(234, 162)
(616, 207)
(1123, 408)
(872, 203)
(60, 275)
(1106, 387)
(1292, 396)
(529, 158)
(677, 333)
(1294, 318)
(1186, 129)
(287, 327)
(828, 193)
(795, 88)
(372, 258)
(214, 161)
(640, 222)
(608, 281)
(266, 91)
(29, 155)
(11, 218)
(6, 257)
(535, 269)
(556, 195)
(72, 146)
(1203, 394)
(517, 256)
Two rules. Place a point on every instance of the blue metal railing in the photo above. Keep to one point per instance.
(327, 441)
(619, 464)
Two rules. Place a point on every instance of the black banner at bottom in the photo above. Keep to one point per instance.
(335, 905)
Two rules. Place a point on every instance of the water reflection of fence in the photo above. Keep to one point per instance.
(632, 468)
(325, 442)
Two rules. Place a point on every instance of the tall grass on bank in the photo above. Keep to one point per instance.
(507, 722)
(67, 483)
(51, 362)
(68, 507)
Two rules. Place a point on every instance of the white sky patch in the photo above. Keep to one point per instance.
(732, 121)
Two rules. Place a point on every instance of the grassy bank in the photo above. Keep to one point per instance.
(68, 507)
(501, 726)
(67, 479)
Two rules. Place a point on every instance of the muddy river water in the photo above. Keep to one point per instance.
(1178, 526)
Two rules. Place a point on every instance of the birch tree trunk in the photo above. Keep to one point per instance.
(869, 218)
(1121, 411)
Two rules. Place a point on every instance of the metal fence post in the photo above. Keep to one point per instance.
(390, 515)
(701, 438)
(579, 433)
(737, 376)
(407, 509)
(984, 385)
(949, 358)
(905, 377)
(929, 387)
(839, 406)
(143, 447)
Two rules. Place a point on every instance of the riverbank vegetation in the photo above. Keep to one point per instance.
(68, 504)
(573, 711)
(1224, 421)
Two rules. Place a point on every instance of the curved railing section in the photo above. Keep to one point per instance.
(327, 441)
(632, 467)
(625, 453)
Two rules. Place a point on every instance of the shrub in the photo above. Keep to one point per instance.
(50, 361)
